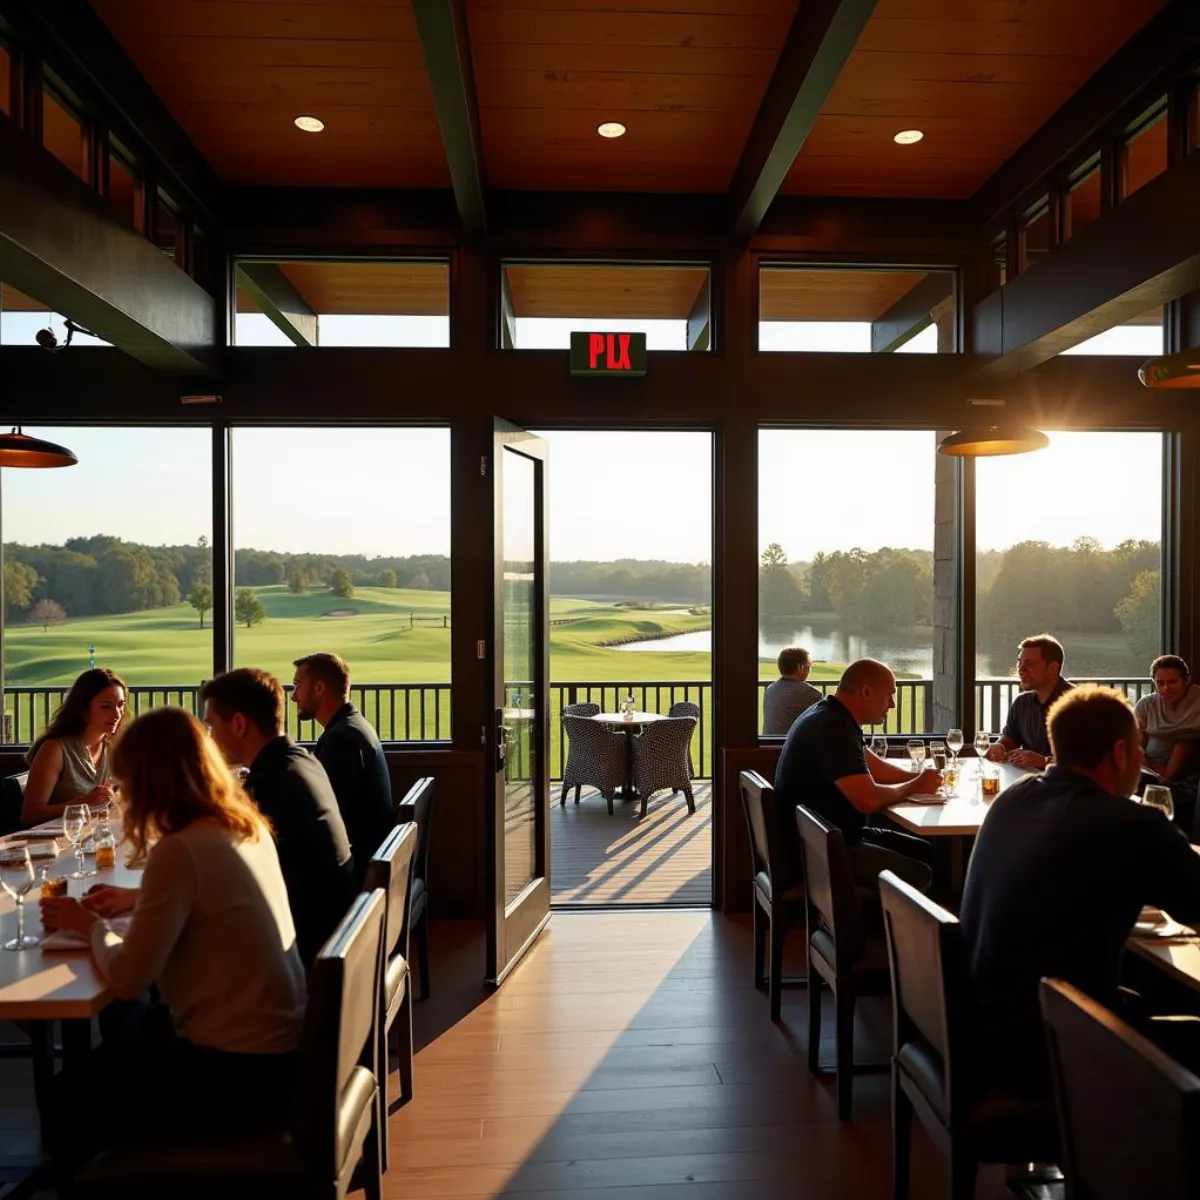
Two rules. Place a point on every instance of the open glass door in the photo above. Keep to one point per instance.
(519, 834)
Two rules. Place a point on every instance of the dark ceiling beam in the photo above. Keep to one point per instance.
(822, 35)
(59, 245)
(442, 26)
(1143, 252)
(277, 298)
(911, 313)
(75, 41)
(1167, 40)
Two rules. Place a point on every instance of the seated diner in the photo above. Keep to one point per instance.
(1024, 741)
(790, 694)
(1169, 721)
(69, 763)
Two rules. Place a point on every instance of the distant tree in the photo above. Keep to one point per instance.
(201, 599)
(297, 582)
(19, 581)
(773, 556)
(1138, 614)
(46, 613)
(779, 592)
(248, 607)
(341, 582)
(388, 579)
(419, 581)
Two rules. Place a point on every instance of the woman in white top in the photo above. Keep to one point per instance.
(212, 928)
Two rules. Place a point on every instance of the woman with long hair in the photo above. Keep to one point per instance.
(212, 928)
(69, 763)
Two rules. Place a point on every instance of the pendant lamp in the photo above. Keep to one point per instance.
(1180, 370)
(983, 441)
(18, 449)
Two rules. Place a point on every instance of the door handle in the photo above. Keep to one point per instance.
(501, 741)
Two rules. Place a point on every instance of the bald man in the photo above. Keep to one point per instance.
(826, 767)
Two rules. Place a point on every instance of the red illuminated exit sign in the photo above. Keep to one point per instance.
(610, 354)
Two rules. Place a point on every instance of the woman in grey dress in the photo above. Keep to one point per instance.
(68, 764)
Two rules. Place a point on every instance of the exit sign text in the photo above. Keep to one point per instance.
(612, 354)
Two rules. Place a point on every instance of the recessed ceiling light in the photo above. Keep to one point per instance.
(908, 137)
(310, 124)
(611, 129)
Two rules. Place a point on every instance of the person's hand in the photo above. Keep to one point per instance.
(996, 752)
(99, 796)
(109, 901)
(65, 912)
(1029, 760)
(927, 783)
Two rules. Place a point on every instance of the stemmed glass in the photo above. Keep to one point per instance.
(16, 877)
(954, 743)
(983, 743)
(1158, 796)
(77, 825)
(879, 745)
(916, 751)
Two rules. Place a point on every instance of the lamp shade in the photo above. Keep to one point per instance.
(987, 440)
(18, 449)
(1181, 370)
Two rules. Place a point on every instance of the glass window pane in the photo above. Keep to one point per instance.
(852, 311)
(124, 192)
(1082, 205)
(355, 303)
(168, 230)
(65, 136)
(1144, 156)
(543, 304)
(21, 318)
(363, 572)
(107, 563)
(1140, 337)
(859, 580)
(1036, 239)
(998, 263)
(1090, 576)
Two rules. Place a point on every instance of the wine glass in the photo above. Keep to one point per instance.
(879, 745)
(1158, 796)
(77, 824)
(937, 755)
(954, 742)
(983, 743)
(16, 877)
(916, 751)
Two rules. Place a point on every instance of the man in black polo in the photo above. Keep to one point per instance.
(244, 709)
(826, 767)
(1061, 868)
(349, 750)
(1039, 667)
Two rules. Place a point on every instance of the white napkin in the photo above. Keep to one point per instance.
(64, 941)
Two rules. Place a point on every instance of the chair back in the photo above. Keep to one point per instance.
(391, 870)
(12, 799)
(669, 739)
(833, 901)
(1129, 1116)
(417, 807)
(591, 737)
(335, 1085)
(684, 708)
(924, 944)
(582, 709)
(767, 854)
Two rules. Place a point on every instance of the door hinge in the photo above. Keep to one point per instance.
(481, 649)
(483, 465)
(483, 735)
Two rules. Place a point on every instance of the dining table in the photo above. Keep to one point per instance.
(629, 724)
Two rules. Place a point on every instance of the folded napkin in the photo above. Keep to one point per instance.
(40, 848)
(64, 941)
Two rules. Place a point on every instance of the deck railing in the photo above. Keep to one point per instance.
(420, 712)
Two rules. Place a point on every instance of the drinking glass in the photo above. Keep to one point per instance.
(77, 825)
(983, 743)
(954, 742)
(916, 751)
(1158, 796)
(937, 755)
(16, 877)
(879, 745)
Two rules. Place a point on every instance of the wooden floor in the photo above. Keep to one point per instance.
(630, 1058)
(603, 860)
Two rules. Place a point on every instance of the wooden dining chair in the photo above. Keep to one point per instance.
(1129, 1114)
(778, 900)
(417, 807)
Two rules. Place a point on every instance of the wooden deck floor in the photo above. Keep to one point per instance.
(602, 860)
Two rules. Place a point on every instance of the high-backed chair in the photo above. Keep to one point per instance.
(660, 759)
(417, 807)
(390, 870)
(334, 1130)
(583, 709)
(778, 901)
(842, 951)
(594, 759)
(685, 708)
(12, 798)
(930, 1054)
(1128, 1113)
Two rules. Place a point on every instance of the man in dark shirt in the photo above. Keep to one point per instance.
(826, 767)
(244, 709)
(349, 750)
(1024, 741)
(1062, 866)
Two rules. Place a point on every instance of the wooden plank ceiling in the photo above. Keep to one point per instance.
(633, 293)
(977, 76)
(810, 295)
(236, 73)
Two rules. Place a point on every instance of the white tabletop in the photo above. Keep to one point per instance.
(637, 718)
(959, 815)
(53, 986)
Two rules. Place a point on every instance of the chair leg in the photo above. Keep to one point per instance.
(761, 928)
(372, 1162)
(402, 1031)
(687, 791)
(609, 798)
(815, 987)
(382, 1067)
(578, 789)
(963, 1170)
(902, 1115)
(562, 800)
(645, 801)
(775, 978)
(843, 1006)
(422, 932)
